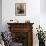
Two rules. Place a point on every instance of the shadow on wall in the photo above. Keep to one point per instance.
(0, 15)
(43, 6)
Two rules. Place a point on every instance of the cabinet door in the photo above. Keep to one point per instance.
(20, 37)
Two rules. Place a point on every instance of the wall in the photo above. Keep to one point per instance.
(43, 14)
(0, 15)
(33, 13)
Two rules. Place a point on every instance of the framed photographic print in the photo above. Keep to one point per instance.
(20, 9)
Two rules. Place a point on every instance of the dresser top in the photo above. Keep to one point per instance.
(19, 23)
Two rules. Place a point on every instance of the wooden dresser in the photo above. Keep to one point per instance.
(22, 33)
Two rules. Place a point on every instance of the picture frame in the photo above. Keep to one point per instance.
(20, 9)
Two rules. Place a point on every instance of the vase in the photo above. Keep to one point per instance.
(41, 43)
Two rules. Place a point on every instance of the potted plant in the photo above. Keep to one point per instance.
(41, 36)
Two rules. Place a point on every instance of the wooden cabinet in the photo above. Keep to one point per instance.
(22, 33)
